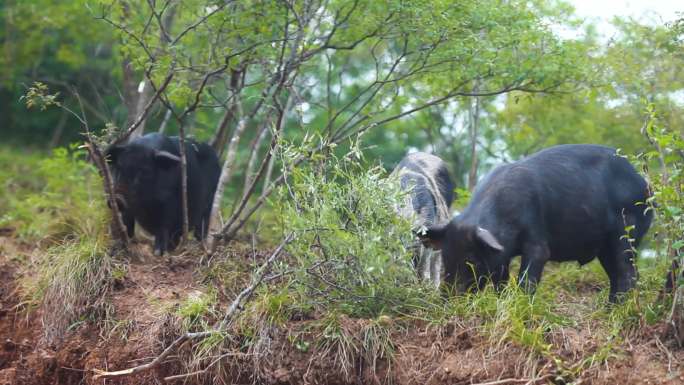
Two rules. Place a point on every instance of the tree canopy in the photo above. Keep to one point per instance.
(476, 82)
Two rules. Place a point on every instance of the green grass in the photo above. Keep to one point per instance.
(197, 307)
(70, 282)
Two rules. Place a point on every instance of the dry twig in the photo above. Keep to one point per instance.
(526, 381)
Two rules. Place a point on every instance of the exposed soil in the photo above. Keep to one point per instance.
(424, 354)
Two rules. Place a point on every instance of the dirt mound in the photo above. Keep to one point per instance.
(139, 328)
(24, 360)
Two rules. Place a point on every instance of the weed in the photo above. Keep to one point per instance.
(196, 308)
(336, 338)
(377, 344)
(71, 282)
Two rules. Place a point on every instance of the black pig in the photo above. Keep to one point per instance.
(564, 203)
(147, 179)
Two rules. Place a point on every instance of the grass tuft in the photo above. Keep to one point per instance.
(70, 285)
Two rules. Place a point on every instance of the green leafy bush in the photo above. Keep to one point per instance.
(666, 180)
(351, 251)
(54, 197)
(667, 183)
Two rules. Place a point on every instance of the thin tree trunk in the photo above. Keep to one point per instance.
(167, 116)
(130, 80)
(118, 229)
(249, 177)
(144, 93)
(130, 93)
(474, 113)
(220, 140)
(226, 174)
(184, 180)
(677, 315)
(267, 178)
(138, 93)
(117, 226)
(234, 223)
(254, 152)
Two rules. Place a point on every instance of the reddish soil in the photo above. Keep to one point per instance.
(424, 354)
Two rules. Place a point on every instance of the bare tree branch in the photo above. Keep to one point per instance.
(147, 108)
(229, 231)
(226, 173)
(200, 21)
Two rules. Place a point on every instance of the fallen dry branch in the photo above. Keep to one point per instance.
(155, 362)
(234, 307)
(526, 381)
(256, 281)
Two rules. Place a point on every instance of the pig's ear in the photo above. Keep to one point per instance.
(166, 159)
(484, 236)
(113, 152)
(434, 236)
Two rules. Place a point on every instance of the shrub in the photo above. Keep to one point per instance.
(351, 251)
(667, 183)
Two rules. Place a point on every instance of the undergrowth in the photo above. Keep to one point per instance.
(57, 202)
(70, 285)
(349, 273)
(51, 198)
(350, 250)
(347, 281)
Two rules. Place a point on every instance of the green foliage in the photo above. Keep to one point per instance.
(351, 249)
(462, 197)
(529, 124)
(349, 265)
(64, 199)
(17, 178)
(62, 44)
(664, 162)
(385, 58)
(641, 63)
(37, 96)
